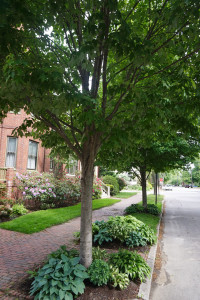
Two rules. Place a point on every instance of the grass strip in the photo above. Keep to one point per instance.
(125, 195)
(42, 219)
(151, 220)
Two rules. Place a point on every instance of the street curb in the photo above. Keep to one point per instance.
(145, 287)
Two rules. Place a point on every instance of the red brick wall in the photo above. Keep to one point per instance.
(9, 123)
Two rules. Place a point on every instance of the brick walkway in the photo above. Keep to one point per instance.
(22, 252)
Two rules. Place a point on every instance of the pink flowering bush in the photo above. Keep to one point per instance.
(38, 187)
(42, 191)
(96, 189)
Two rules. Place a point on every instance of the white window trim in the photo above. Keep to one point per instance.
(12, 137)
(36, 155)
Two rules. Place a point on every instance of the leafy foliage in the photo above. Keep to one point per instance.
(5, 210)
(63, 250)
(111, 180)
(60, 279)
(130, 263)
(148, 234)
(105, 66)
(136, 239)
(98, 253)
(118, 279)
(99, 272)
(122, 183)
(18, 210)
(120, 228)
(103, 236)
(151, 209)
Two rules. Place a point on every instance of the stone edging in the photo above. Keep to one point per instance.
(145, 287)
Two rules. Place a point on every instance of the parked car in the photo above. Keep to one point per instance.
(188, 186)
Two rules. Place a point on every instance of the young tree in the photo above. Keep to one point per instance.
(77, 67)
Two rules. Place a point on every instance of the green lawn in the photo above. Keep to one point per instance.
(125, 195)
(149, 219)
(39, 220)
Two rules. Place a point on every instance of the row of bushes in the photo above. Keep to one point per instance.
(62, 277)
(42, 191)
(137, 208)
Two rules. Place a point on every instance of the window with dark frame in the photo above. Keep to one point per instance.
(11, 152)
(32, 155)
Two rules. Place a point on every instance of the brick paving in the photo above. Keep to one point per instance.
(22, 252)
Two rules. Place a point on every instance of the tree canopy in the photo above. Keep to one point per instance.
(80, 67)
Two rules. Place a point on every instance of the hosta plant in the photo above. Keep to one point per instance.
(99, 272)
(136, 239)
(136, 208)
(120, 227)
(148, 234)
(102, 236)
(59, 279)
(130, 263)
(63, 250)
(98, 253)
(118, 279)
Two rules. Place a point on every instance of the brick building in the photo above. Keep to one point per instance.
(20, 154)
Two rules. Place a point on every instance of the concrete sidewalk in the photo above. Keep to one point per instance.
(22, 252)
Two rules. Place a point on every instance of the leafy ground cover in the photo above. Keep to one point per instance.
(39, 220)
(125, 195)
(149, 219)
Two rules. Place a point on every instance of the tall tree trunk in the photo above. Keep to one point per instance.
(86, 212)
(87, 161)
(144, 186)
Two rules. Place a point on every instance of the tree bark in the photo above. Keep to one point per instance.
(144, 186)
(86, 213)
(87, 175)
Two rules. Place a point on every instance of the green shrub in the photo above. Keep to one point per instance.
(136, 239)
(102, 236)
(153, 209)
(118, 279)
(63, 250)
(121, 226)
(136, 208)
(113, 181)
(18, 210)
(59, 279)
(130, 263)
(122, 183)
(98, 253)
(148, 234)
(99, 272)
(5, 210)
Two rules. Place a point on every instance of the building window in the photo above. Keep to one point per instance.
(32, 155)
(72, 166)
(11, 152)
(52, 163)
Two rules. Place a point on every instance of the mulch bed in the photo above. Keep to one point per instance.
(21, 289)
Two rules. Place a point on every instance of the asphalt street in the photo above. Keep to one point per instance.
(179, 276)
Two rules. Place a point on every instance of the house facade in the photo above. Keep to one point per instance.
(22, 154)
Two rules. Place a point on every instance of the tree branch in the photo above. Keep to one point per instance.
(172, 64)
(60, 131)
